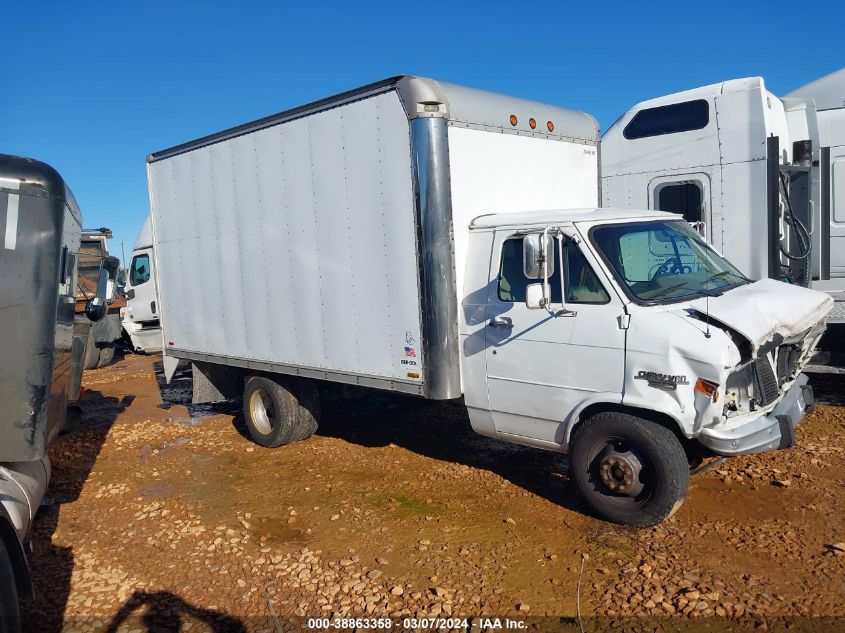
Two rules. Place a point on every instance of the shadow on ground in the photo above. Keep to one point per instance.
(72, 456)
(437, 430)
(166, 612)
(442, 431)
(829, 388)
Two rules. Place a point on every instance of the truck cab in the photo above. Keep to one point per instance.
(623, 338)
(40, 228)
(140, 317)
(754, 173)
(736, 161)
(99, 339)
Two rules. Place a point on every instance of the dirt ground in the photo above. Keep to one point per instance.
(165, 517)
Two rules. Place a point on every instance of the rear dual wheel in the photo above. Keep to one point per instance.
(280, 412)
(629, 470)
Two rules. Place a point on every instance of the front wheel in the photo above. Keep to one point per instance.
(629, 470)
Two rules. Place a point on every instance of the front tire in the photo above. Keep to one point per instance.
(10, 617)
(629, 470)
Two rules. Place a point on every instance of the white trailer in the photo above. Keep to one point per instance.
(432, 239)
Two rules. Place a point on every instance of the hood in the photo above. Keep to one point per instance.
(765, 308)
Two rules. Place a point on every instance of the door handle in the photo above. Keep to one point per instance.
(500, 321)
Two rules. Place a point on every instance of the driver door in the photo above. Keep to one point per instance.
(542, 363)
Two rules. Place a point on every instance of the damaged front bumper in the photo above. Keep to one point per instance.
(769, 432)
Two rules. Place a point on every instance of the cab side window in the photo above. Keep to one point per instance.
(140, 272)
(582, 283)
(512, 280)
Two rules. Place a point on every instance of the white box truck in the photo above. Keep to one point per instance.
(432, 239)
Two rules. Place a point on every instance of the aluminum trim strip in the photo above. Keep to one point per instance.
(387, 384)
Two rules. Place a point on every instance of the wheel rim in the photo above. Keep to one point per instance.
(261, 411)
(621, 473)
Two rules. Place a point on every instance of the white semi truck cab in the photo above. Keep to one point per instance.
(139, 318)
(403, 236)
(759, 176)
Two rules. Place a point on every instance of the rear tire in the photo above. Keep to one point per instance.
(92, 352)
(10, 616)
(106, 355)
(270, 412)
(629, 470)
(309, 410)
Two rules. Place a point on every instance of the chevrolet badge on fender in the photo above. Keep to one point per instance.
(661, 381)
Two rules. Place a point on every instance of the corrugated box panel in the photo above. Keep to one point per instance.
(294, 244)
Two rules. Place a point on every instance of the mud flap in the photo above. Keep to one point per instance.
(170, 363)
(809, 399)
(787, 432)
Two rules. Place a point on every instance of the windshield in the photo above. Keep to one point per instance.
(661, 262)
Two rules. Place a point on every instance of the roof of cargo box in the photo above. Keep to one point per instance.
(32, 177)
(423, 97)
(566, 216)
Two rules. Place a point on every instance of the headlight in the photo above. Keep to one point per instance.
(707, 388)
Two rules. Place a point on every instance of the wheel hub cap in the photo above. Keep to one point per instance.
(620, 471)
(261, 410)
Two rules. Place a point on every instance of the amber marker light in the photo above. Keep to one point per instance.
(707, 388)
(550, 126)
(532, 123)
(514, 120)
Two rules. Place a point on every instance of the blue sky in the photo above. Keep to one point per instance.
(93, 87)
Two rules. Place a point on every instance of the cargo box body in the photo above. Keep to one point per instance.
(329, 241)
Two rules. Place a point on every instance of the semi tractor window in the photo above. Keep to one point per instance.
(140, 272)
(668, 119)
(683, 198)
(582, 284)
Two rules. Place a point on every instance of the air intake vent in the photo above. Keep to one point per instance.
(766, 381)
(788, 357)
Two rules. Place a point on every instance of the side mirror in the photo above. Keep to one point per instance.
(97, 307)
(534, 296)
(111, 265)
(535, 254)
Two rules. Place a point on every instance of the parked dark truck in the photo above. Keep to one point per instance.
(100, 339)
(40, 227)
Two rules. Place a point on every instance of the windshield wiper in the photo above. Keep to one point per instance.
(667, 290)
(723, 273)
